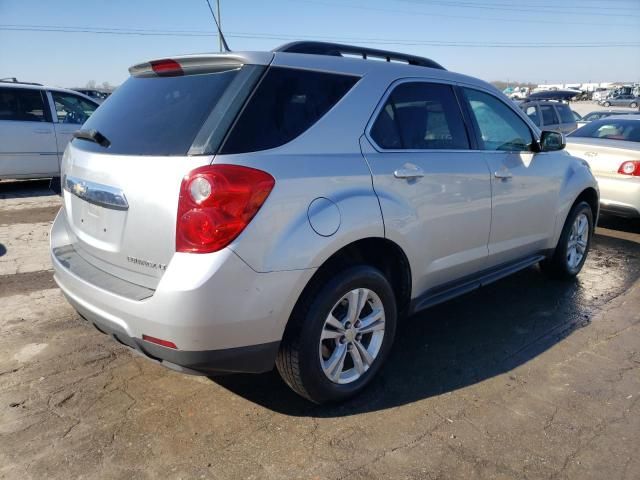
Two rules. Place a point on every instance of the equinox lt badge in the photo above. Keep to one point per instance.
(146, 263)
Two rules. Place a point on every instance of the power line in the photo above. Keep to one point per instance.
(527, 8)
(468, 17)
(284, 37)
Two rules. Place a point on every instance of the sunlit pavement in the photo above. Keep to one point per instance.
(526, 378)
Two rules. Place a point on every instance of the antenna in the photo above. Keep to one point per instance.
(223, 42)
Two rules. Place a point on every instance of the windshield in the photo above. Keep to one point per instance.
(156, 116)
(610, 129)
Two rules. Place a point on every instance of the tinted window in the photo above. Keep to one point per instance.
(532, 113)
(611, 129)
(71, 108)
(499, 127)
(156, 115)
(549, 116)
(286, 103)
(23, 105)
(566, 115)
(420, 116)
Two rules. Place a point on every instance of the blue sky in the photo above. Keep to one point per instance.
(490, 39)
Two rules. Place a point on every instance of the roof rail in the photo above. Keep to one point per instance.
(15, 80)
(339, 50)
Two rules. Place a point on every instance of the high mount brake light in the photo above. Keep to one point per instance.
(167, 68)
(630, 167)
(216, 203)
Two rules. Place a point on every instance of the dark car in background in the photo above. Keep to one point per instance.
(550, 115)
(598, 114)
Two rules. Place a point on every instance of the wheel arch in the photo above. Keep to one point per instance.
(381, 253)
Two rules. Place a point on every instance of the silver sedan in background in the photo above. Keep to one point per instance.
(611, 146)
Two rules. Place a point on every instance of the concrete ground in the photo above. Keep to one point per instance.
(526, 378)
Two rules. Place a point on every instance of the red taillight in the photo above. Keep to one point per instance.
(216, 203)
(631, 167)
(159, 341)
(167, 68)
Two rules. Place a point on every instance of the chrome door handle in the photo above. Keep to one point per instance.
(408, 173)
(503, 174)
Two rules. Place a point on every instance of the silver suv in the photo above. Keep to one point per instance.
(225, 213)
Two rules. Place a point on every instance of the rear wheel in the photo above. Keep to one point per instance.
(339, 335)
(573, 246)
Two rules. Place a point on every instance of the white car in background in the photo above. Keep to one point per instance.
(36, 123)
(611, 147)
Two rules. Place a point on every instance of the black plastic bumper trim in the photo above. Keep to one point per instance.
(250, 359)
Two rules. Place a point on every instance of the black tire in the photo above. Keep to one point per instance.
(298, 360)
(607, 104)
(633, 104)
(557, 266)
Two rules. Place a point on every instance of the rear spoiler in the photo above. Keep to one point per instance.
(194, 64)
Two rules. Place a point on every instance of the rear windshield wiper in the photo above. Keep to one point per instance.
(93, 136)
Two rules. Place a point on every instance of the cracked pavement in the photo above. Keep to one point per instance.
(526, 378)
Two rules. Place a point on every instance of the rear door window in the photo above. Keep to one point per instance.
(549, 116)
(157, 115)
(566, 115)
(420, 116)
(22, 105)
(286, 103)
(72, 108)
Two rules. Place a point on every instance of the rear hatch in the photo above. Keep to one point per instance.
(122, 176)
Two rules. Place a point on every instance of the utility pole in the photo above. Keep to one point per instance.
(220, 25)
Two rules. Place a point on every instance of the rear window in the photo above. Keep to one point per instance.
(156, 116)
(286, 103)
(610, 129)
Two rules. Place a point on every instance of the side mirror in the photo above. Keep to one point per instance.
(552, 141)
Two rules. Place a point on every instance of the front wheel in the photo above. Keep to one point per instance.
(339, 335)
(573, 246)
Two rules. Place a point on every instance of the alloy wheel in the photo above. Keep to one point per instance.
(352, 336)
(578, 241)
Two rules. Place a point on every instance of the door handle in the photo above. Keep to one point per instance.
(503, 174)
(408, 173)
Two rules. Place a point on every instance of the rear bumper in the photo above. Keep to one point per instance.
(620, 195)
(248, 359)
(222, 315)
